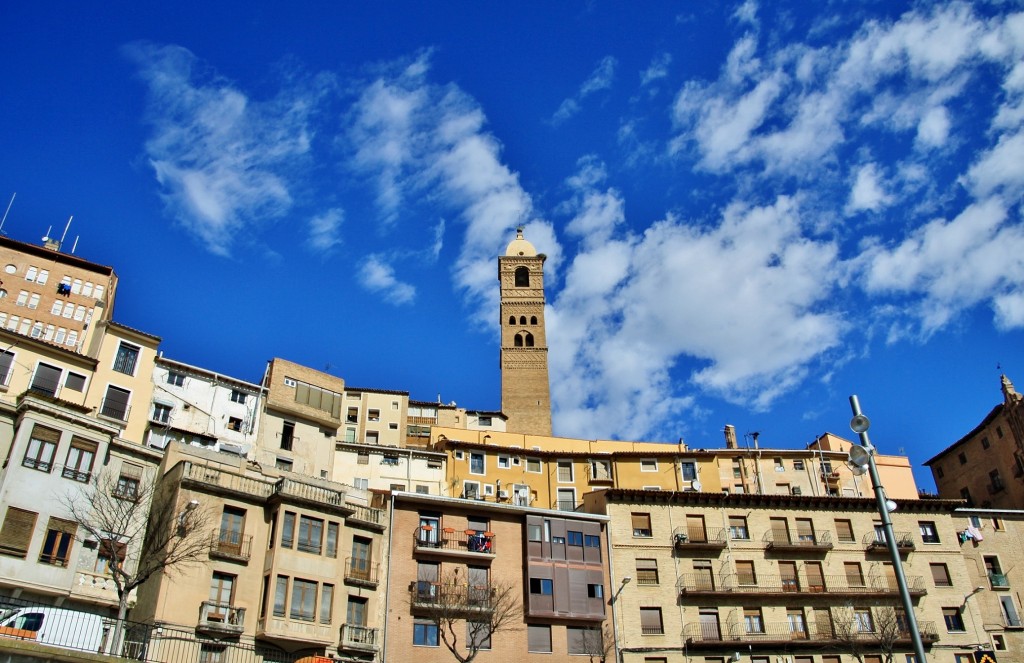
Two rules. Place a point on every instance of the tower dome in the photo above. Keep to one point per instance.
(520, 247)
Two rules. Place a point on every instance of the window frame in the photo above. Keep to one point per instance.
(126, 358)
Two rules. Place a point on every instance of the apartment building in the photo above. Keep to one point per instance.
(550, 472)
(295, 562)
(58, 454)
(375, 416)
(985, 467)
(374, 467)
(990, 541)
(55, 297)
(201, 407)
(458, 563)
(717, 577)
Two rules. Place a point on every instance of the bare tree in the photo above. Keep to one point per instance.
(141, 530)
(880, 631)
(597, 644)
(456, 607)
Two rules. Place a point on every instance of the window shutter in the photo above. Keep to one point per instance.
(16, 533)
(940, 576)
(302, 393)
(45, 434)
(650, 619)
(538, 637)
(83, 444)
(131, 471)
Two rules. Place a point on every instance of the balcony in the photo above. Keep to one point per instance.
(226, 483)
(779, 541)
(461, 543)
(311, 494)
(875, 542)
(114, 408)
(699, 538)
(998, 581)
(358, 638)
(459, 598)
(566, 505)
(795, 634)
(367, 517)
(221, 618)
(361, 572)
(233, 546)
(295, 630)
(825, 587)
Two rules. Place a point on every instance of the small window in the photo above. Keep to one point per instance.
(574, 538)
(650, 621)
(373, 414)
(504, 462)
(42, 446)
(75, 381)
(542, 586)
(963, 458)
(175, 379)
(928, 532)
(985, 443)
(538, 638)
(940, 575)
(648, 465)
(16, 533)
(646, 571)
(954, 620)
(641, 525)
(844, 530)
(60, 535)
(234, 423)
(127, 487)
(237, 396)
(126, 359)
(533, 465)
(476, 463)
(424, 633)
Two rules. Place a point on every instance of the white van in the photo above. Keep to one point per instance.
(58, 627)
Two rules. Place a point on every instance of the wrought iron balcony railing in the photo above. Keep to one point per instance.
(779, 540)
(233, 545)
(876, 541)
(362, 571)
(450, 539)
(694, 538)
(734, 583)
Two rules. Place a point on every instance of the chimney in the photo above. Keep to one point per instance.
(730, 436)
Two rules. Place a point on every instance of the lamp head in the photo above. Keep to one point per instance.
(860, 424)
(626, 579)
(192, 505)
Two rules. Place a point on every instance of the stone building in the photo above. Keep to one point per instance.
(985, 467)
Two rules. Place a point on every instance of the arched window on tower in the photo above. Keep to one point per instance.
(533, 319)
(522, 277)
(529, 340)
(519, 340)
(522, 320)
(511, 319)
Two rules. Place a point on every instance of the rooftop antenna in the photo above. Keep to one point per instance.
(75, 245)
(4, 220)
(66, 226)
(46, 237)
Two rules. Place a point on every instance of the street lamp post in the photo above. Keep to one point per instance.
(860, 424)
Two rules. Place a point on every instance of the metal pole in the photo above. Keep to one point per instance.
(890, 539)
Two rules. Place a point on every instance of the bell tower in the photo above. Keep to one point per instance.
(525, 389)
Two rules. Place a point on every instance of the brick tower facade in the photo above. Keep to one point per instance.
(525, 390)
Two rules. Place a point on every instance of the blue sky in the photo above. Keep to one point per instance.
(750, 211)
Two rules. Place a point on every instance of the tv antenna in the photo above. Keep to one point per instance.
(2, 221)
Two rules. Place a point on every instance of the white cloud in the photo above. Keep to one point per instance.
(657, 70)
(948, 266)
(747, 13)
(600, 79)
(933, 130)
(223, 160)
(746, 297)
(377, 275)
(1002, 167)
(867, 192)
(323, 230)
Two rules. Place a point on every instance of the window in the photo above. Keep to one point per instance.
(46, 380)
(238, 396)
(280, 595)
(689, 470)
(288, 530)
(317, 398)
(60, 534)
(175, 379)
(752, 620)
(641, 524)
(311, 531)
(356, 612)
(1010, 616)
(584, 640)
(984, 443)
(954, 620)
(862, 620)
(326, 603)
(6, 361)
(234, 423)
(127, 487)
(75, 381)
(110, 550)
(647, 572)
(745, 573)
(287, 435)
(126, 358)
(844, 530)
(303, 605)
(962, 457)
(522, 280)
(78, 465)
(601, 470)
(361, 483)
(33, 301)
(997, 524)
(41, 447)
(476, 463)
(485, 420)
(928, 532)
(538, 636)
(648, 464)
(424, 633)
(16, 533)
(222, 589)
(650, 621)
(565, 471)
(542, 586)
(798, 464)
(115, 404)
(332, 539)
(211, 653)
(533, 532)
(738, 528)
(504, 462)
(940, 575)
(574, 538)
(533, 465)
(854, 574)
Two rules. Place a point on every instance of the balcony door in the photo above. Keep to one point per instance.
(232, 524)
(222, 591)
